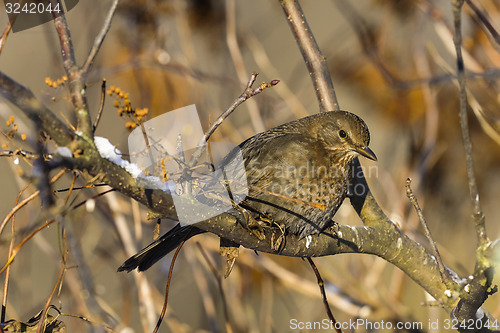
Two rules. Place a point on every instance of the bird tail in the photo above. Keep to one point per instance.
(149, 255)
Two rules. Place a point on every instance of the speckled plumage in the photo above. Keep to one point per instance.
(305, 159)
(297, 174)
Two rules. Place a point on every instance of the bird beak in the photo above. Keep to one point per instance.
(366, 152)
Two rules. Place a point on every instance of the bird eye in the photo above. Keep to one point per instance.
(342, 134)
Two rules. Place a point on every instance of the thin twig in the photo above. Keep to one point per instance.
(219, 285)
(21, 204)
(23, 153)
(484, 20)
(479, 220)
(70, 189)
(167, 288)
(421, 217)
(93, 198)
(246, 94)
(239, 63)
(100, 38)
(79, 187)
(101, 105)
(7, 30)
(43, 226)
(479, 287)
(321, 285)
(314, 59)
(18, 247)
(367, 39)
(7, 273)
(41, 172)
(41, 322)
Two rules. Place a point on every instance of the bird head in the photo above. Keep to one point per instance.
(345, 132)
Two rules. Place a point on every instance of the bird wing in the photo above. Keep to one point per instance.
(281, 166)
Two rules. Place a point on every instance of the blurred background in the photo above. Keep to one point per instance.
(392, 63)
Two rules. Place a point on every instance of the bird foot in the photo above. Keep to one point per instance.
(254, 226)
(278, 240)
(230, 250)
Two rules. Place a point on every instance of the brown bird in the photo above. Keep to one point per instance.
(298, 175)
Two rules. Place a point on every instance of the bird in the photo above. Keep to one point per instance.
(298, 175)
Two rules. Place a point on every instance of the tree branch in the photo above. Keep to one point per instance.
(246, 94)
(379, 236)
(423, 222)
(24, 99)
(479, 219)
(100, 38)
(480, 287)
(314, 59)
(76, 80)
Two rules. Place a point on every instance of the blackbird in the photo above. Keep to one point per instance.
(298, 175)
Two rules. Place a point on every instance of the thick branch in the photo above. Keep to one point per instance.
(24, 99)
(314, 59)
(381, 237)
(75, 77)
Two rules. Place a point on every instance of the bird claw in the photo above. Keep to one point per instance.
(230, 250)
(336, 228)
(254, 226)
(279, 244)
(229, 265)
